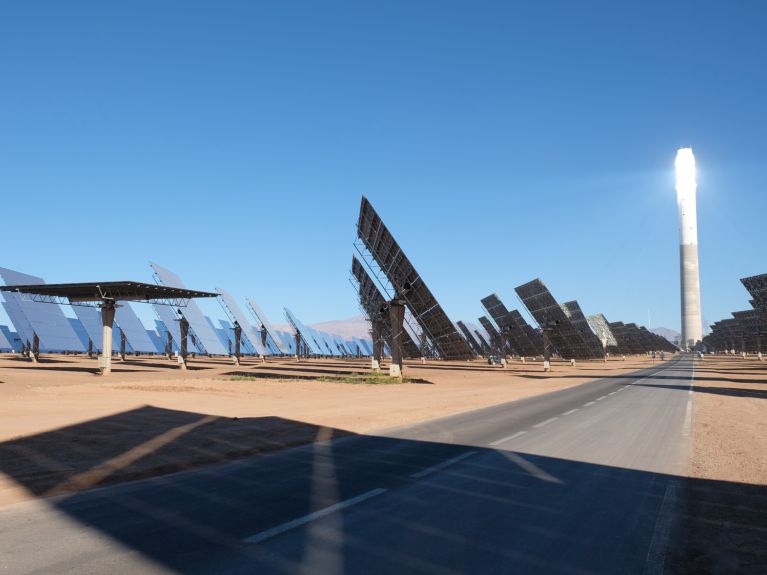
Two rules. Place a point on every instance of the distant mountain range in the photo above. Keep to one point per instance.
(357, 326)
(669, 334)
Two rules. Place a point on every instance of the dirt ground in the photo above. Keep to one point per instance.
(726, 495)
(64, 428)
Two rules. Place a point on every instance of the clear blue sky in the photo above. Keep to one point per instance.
(500, 141)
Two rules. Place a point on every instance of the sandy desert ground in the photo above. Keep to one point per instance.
(729, 449)
(65, 429)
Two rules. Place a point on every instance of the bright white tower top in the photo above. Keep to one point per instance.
(685, 196)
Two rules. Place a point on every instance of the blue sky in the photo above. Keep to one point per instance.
(500, 141)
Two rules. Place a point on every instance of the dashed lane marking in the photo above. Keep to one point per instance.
(508, 438)
(546, 422)
(441, 466)
(298, 522)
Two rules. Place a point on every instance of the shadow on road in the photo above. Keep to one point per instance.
(730, 391)
(496, 511)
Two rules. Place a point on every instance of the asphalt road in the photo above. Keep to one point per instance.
(582, 480)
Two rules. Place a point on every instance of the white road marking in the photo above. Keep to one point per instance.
(687, 430)
(656, 554)
(589, 403)
(601, 398)
(509, 438)
(279, 529)
(611, 393)
(571, 411)
(531, 468)
(441, 466)
(542, 423)
(687, 419)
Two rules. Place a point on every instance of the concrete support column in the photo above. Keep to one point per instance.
(378, 344)
(546, 350)
(397, 318)
(35, 352)
(169, 346)
(298, 344)
(237, 339)
(424, 347)
(504, 344)
(264, 334)
(107, 319)
(90, 347)
(122, 345)
(184, 328)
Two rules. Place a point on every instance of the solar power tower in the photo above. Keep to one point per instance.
(512, 326)
(204, 335)
(568, 340)
(374, 306)
(407, 284)
(580, 323)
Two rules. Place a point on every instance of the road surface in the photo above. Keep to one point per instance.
(582, 480)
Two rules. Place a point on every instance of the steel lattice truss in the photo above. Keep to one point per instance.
(580, 323)
(636, 338)
(730, 332)
(533, 335)
(409, 285)
(632, 339)
(566, 338)
(492, 332)
(374, 306)
(514, 325)
(483, 342)
(624, 343)
(475, 345)
(757, 287)
(743, 332)
(599, 326)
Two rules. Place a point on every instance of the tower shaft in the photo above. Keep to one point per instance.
(692, 325)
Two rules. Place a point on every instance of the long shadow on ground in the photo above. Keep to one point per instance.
(496, 511)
